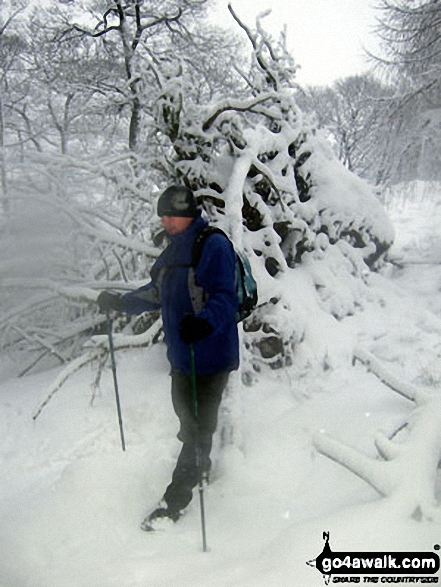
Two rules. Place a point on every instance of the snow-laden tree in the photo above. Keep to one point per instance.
(355, 112)
(75, 220)
(409, 33)
(65, 105)
(134, 34)
(64, 238)
(265, 175)
(260, 170)
(11, 45)
(389, 132)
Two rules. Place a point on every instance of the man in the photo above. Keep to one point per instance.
(198, 307)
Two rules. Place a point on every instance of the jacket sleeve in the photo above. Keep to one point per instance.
(143, 299)
(216, 274)
(148, 297)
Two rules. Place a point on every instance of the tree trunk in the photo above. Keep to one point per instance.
(4, 180)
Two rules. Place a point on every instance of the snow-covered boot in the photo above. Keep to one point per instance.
(160, 518)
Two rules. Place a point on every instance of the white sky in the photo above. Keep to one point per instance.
(325, 37)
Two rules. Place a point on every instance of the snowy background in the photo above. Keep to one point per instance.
(72, 501)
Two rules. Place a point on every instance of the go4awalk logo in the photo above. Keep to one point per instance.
(376, 567)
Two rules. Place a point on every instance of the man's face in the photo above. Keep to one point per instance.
(176, 224)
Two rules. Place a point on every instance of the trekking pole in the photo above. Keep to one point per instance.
(115, 380)
(198, 447)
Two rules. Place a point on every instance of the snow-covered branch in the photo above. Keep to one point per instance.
(407, 390)
(364, 467)
(98, 349)
(237, 106)
(271, 77)
(119, 240)
(77, 293)
(406, 472)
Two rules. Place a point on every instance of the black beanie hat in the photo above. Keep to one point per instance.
(177, 200)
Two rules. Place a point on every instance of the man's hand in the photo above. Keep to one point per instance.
(194, 329)
(109, 301)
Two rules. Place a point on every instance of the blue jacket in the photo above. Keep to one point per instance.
(169, 291)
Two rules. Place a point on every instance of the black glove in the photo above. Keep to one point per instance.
(109, 301)
(194, 329)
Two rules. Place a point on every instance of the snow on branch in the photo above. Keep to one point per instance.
(406, 472)
(98, 349)
(364, 467)
(239, 106)
(77, 293)
(271, 77)
(129, 243)
(25, 308)
(121, 13)
(407, 390)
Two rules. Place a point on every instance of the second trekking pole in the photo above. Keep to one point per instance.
(115, 380)
(198, 446)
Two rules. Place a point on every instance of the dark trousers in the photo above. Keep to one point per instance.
(195, 434)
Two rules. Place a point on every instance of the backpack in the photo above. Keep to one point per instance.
(246, 286)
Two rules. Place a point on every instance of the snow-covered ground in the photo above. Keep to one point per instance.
(72, 500)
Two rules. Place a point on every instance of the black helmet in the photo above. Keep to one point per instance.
(177, 200)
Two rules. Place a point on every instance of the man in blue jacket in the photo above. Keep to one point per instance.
(198, 306)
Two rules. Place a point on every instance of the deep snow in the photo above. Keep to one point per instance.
(71, 500)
